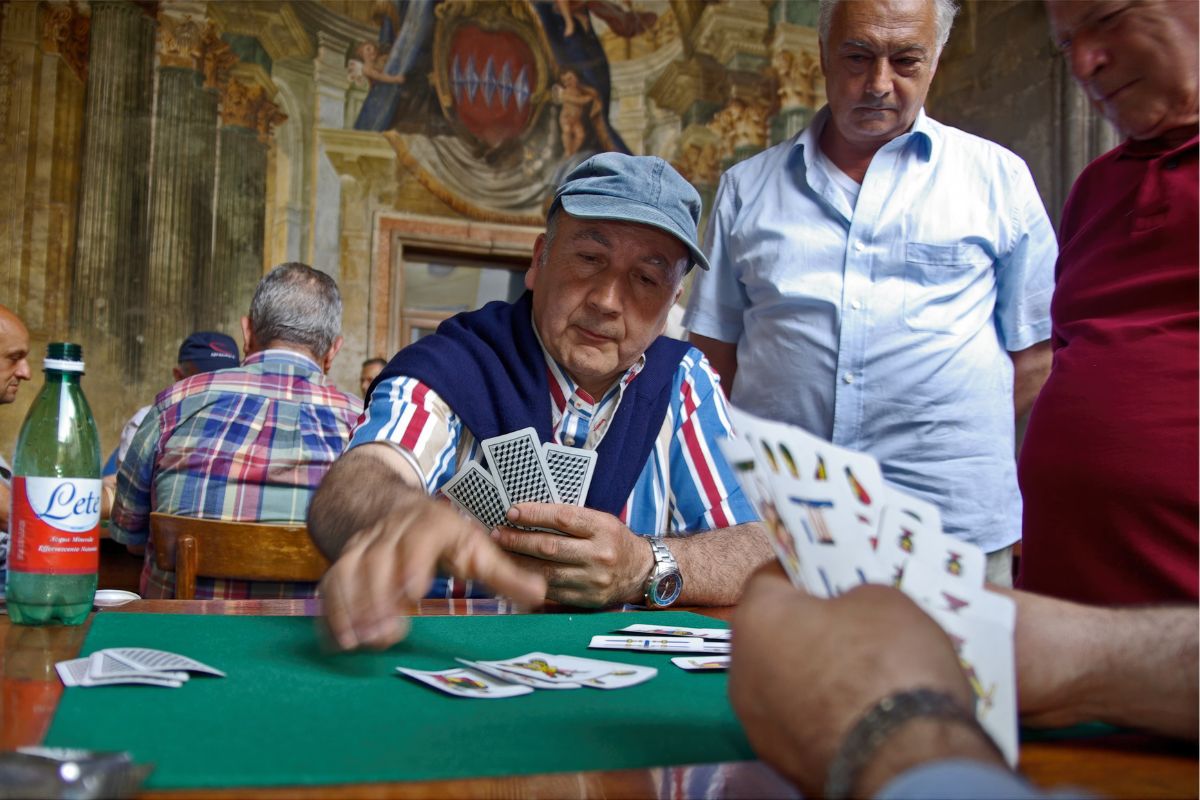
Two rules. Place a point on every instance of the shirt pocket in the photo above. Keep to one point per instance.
(937, 278)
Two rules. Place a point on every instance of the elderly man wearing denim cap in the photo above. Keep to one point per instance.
(579, 358)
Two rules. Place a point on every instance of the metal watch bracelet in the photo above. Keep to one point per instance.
(880, 722)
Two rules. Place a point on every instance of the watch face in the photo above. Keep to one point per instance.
(666, 590)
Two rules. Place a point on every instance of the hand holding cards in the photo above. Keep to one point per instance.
(836, 525)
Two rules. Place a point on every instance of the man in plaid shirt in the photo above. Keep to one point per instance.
(249, 443)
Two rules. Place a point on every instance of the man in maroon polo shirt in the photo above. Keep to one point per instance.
(1108, 468)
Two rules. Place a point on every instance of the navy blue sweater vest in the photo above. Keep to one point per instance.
(488, 366)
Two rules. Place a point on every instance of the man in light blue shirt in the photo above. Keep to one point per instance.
(884, 280)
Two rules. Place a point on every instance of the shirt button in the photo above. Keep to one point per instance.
(858, 247)
(856, 305)
(848, 377)
(1171, 163)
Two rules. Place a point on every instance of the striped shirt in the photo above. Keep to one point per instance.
(685, 486)
(249, 444)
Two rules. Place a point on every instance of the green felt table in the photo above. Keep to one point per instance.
(291, 714)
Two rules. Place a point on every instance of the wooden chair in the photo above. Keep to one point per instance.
(246, 551)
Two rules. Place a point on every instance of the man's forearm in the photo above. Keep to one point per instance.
(1134, 667)
(361, 487)
(716, 564)
(1031, 367)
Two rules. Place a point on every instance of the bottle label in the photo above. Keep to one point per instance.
(55, 525)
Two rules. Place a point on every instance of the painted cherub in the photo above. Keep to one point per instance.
(578, 101)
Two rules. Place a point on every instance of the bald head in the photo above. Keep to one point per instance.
(14, 355)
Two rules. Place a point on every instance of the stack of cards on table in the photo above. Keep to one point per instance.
(131, 665)
(520, 469)
(510, 677)
(835, 524)
(665, 639)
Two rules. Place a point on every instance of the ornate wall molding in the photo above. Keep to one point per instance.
(65, 31)
(179, 41)
(250, 106)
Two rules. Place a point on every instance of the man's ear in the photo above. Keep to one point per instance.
(536, 262)
(178, 373)
(333, 351)
(247, 337)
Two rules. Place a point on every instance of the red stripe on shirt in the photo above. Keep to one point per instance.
(700, 463)
(560, 402)
(416, 425)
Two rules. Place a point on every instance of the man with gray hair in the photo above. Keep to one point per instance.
(581, 359)
(883, 280)
(249, 443)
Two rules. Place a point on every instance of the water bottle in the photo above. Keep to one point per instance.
(55, 522)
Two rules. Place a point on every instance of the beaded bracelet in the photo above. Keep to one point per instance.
(880, 722)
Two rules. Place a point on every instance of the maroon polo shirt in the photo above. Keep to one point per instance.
(1108, 468)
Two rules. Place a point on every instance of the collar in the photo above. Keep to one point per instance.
(1171, 143)
(282, 357)
(923, 131)
(567, 385)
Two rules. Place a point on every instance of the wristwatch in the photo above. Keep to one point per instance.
(665, 582)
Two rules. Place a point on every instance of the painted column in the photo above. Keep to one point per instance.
(111, 244)
(248, 118)
(330, 81)
(192, 60)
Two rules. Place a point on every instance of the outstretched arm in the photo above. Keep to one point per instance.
(388, 540)
(1134, 667)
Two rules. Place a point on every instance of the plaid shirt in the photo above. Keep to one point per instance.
(249, 443)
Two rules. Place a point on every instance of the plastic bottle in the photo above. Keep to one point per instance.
(55, 520)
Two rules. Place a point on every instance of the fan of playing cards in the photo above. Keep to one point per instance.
(520, 470)
(835, 524)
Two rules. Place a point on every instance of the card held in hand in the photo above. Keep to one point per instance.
(474, 491)
(570, 471)
(516, 461)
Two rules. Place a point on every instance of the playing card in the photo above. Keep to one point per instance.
(75, 673)
(147, 660)
(474, 491)
(660, 644)
(834, 555)
(948, 574)
(465, 683)
(857, 484)
(544, 667)
(514, 677)
(104, 666)
(719, 634)
(606, 674)
(983, 637)
(698, 664)
(570, 471)
(516, 461)
(908, 526)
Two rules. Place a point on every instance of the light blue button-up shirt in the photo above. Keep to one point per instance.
(884, 327)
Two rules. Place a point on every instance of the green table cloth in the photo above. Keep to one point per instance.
(291, 714)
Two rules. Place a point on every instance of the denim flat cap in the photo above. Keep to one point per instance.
(641, 189)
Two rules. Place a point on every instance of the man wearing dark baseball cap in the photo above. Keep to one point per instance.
(206, 351)
(578, 358)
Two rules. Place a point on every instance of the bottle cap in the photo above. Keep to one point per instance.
(64, 356)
